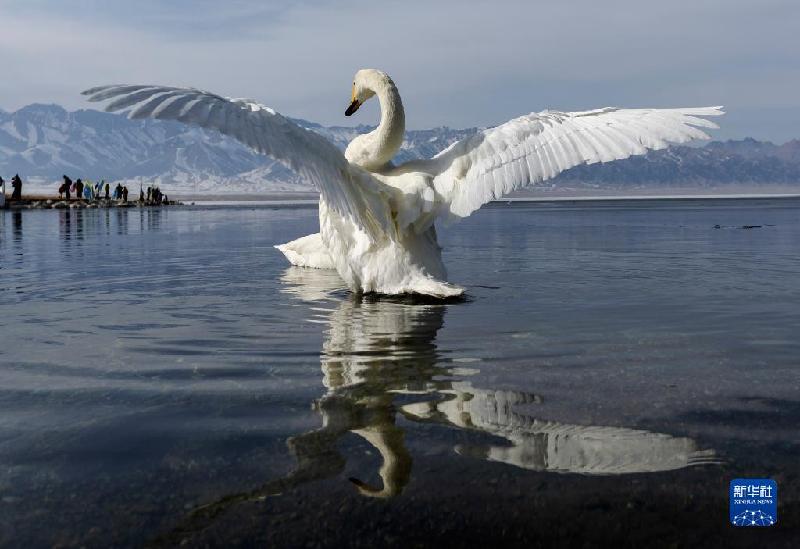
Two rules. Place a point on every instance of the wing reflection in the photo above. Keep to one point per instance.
(548, 445)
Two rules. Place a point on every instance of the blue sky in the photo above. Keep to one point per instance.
(456, 63)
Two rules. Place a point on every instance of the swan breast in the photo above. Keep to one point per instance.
(361, 152)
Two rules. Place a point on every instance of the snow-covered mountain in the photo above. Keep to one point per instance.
(42, 142)
(45, 141)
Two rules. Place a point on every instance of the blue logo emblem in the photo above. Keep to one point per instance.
(754, 502)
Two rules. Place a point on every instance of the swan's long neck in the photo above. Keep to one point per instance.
(392, 128)
(374, 151)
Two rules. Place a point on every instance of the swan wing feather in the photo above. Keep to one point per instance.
(347, 189)
(536, 147)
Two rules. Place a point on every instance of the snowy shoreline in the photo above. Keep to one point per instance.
(312, 201)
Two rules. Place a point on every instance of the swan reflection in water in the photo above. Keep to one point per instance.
(376, 350)
(380, 353)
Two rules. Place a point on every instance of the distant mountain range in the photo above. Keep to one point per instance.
(42, 142)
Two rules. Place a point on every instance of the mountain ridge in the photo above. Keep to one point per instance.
(44, 141)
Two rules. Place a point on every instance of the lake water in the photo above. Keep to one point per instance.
(166, 378)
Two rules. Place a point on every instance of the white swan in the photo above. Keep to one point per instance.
(377, 221)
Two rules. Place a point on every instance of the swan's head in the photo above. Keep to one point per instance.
(365, 83)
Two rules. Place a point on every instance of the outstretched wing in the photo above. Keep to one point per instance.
(347, 190)
(539, 146)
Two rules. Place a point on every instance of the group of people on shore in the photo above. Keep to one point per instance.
(101, 189)
(154, 194)
(82, 190)
(88, 191)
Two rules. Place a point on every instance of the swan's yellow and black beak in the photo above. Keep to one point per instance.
(352, 108)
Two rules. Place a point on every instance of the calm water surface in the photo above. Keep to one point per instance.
(166, 378)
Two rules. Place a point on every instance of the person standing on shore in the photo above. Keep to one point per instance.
(108, 187)
(125, 194)
(79, 189)
(66, 186)
(141, 194)
(16, 184)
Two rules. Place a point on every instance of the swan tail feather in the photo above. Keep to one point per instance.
(308, 251)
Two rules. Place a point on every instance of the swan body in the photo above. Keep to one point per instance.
(377, 220)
